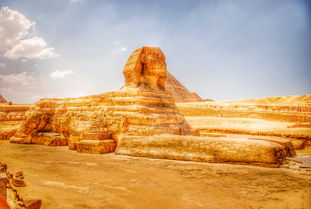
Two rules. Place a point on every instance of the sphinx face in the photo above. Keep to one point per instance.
(146, 68)
(153, 68)
(153, 61)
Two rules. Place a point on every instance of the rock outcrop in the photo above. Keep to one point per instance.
(287, 117)
(10, 116)
(140, 119)
(13, 112)
(10, 195)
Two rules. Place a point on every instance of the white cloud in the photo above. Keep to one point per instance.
(119, 47)
(123, 49)
(76, 1)
(2, 65)
(61, 74)
(20, 78)
(116, 43)
(31, 48)
(16, 39)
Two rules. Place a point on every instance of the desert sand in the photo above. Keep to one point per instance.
(67, 179)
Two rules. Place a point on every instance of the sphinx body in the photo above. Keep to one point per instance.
(142, 107)
(140, 119)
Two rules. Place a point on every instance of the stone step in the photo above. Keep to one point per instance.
(43, 138)
(96, 136)
(50, 139)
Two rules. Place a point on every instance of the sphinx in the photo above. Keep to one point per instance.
(140, 119)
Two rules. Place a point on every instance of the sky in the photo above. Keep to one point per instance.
(220, 49)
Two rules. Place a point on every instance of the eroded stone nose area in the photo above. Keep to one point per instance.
(146, 68)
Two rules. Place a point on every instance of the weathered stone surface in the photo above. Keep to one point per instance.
(96, 146)
(73, 145)
(33, 204)
(275, 112)
(133, 117)
(146, 68)
(18, 179)
(287, 117)
(203, 149)
(10, 115)
(50, 139)
(6, 134)
(286, 144)
(44, 138)
(134, 111)
(3, 182)
(13, 112)
(10, 194)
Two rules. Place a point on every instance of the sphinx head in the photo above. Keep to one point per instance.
(146, 68)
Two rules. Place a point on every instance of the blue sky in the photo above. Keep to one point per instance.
(221, 49)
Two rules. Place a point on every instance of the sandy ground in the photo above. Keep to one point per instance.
(67, 179)
(291, 100)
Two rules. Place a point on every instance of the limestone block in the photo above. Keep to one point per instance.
(285, 143)
(13, 112)
(18, 182)
(33, 204)
(35, 121)
(3, 182)
(73, 145)
(50, 139)
(6, 134)
(43, 138)
(202, 149)
(96, 146)
(20, 140)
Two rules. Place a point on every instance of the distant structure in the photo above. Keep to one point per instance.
(2, 100)
(179, 92)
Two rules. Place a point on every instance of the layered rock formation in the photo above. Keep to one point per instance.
(134, 120)
(255, 116)
(13, 112)
(286, 117)
(10, 116)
